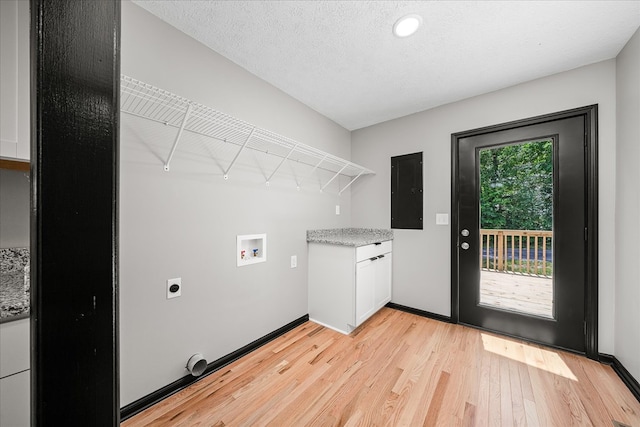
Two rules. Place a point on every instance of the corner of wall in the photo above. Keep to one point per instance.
(627, 207)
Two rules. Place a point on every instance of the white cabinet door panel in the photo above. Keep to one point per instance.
(9, 77)
(15, 400)
(14, 79)
(365, 292)
(14, 347)
(383, 280)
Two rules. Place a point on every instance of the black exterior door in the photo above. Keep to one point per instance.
(568, 136)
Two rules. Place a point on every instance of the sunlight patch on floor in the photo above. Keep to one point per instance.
(547, 360)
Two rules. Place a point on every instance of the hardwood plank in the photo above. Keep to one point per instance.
(420, 401)
(506, 396)
(533, 360)
(517, 399)
(619, 402)
(438, 399)
(531, 413)
(399, 369)
(483, 382)
(462, 392)
(495, 402)
(566, 380)
(469, 418)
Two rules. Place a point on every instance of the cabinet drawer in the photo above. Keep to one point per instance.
(370, 251)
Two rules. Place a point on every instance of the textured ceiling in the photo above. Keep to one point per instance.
(341, 59)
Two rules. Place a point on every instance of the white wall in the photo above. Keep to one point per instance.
(14, 209)
(184, 223)
(627, 321)
(422, 277)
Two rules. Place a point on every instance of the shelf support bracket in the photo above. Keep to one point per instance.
(178, 136)
(351, 182)
(312, 171)
(282, 162)
(334, 177)
(226, 173)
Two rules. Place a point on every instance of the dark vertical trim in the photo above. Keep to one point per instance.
(455, 226)
(75, 90)
(590, 113)
(591, 296)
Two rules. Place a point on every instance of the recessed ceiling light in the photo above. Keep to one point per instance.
(407, 25)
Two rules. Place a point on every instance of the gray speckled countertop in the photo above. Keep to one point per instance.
(14, 284)
(349, 236)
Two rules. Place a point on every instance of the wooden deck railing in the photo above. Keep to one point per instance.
(517, 251)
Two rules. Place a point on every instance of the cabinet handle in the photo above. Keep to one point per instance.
(377, 243)
(381, 256)
(373, 259)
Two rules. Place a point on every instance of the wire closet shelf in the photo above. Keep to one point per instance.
(144, 100)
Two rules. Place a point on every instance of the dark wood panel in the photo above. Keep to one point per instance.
(75, 126)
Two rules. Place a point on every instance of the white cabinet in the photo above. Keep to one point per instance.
(14, 400)
(346, 284)
(14, 347)
(14, 373)
(14, 80)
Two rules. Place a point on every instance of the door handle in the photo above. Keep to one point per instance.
(464, 245)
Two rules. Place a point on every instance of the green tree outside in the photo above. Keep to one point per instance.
(516, 186)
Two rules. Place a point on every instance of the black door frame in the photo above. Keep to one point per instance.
(75, 92)
(590, 114)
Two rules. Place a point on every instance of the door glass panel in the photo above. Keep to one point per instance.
(516, 228)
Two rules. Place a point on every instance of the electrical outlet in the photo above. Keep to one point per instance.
(174, 288)
(294, 261)
(337, 209)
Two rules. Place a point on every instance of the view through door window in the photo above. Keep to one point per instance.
(516, 221)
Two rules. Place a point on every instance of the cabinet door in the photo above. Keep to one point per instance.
(14, 347)
(382, 280)
(14, 79)
(365, 290)
(15, 400)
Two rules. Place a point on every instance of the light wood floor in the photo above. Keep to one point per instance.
(399, 369)
(522, 293)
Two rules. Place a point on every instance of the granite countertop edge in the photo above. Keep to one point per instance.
(354, 237)
(12, 318)
(14, 284)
